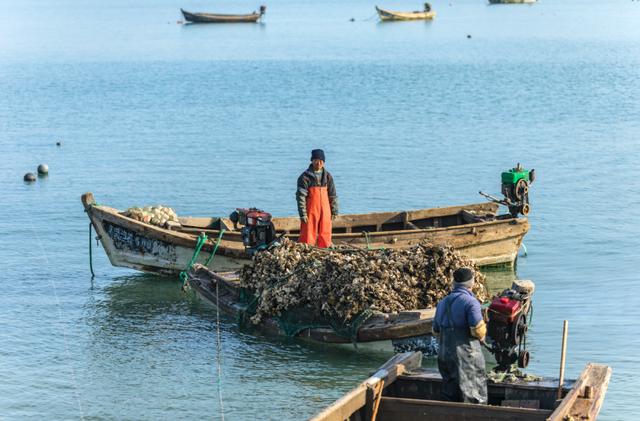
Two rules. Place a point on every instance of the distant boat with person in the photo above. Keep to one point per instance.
(223, 18)
(389, 15)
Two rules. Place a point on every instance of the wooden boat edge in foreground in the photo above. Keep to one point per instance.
(365, 393)
(582, 398)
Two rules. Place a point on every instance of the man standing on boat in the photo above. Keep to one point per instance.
(317, 202)
(461, 329)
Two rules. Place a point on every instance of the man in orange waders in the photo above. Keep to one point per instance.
(317, 202)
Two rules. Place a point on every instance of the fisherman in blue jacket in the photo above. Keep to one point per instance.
(461, 329)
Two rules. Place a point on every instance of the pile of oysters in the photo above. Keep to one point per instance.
(155, 215)
(343, 282)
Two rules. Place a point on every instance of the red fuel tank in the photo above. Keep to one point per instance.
(504, 308)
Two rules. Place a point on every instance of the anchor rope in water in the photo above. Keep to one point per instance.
(202, 239)
(93, 275)
(219, 353)
(370, 17)
(65, 333)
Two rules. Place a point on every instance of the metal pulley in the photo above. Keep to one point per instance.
(521, 189)
(523, 358)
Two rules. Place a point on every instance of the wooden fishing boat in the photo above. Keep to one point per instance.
(401, 390)
(475, 230)
(389, 15)
(379, 327)
(512, 1)
(222, 18)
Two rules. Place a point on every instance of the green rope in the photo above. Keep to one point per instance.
(215, 249)
(93, 275)
(366, 236)
(202, 238)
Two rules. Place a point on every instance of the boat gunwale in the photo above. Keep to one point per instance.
(118, 214)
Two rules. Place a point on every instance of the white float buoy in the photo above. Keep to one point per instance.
(43, 169)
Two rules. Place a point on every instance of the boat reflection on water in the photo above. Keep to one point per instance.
(499, 278)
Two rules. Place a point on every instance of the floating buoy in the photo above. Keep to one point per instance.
(29, 177)
(43, 169)
(468, 36)
(352, 20)
(58, 143)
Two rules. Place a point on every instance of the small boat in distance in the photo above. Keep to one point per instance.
(512, 1)
(222, 18)
(388, 15)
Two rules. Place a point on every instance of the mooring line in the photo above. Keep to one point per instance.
(93, 275)
(65, 333)
(219, 356)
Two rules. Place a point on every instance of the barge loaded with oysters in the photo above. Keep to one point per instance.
(353, 295)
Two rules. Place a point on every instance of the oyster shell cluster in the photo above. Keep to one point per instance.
(341, 283)
(154, 215)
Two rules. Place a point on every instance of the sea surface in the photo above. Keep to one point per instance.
(207, 118)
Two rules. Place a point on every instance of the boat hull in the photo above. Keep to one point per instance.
(390, 15)
(133, 244)
(223, 291)
(220, 18)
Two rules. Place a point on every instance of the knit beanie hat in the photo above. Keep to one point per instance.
(317, 154)
(463, 277)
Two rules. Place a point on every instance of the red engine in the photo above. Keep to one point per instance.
(253, 217)
(505, 309)
(508, 324)
(257, 231)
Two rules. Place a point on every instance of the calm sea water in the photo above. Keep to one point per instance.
(209, 118)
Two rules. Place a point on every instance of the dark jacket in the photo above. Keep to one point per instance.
(308, 179)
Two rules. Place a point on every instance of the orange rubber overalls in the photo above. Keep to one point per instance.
(318, 226)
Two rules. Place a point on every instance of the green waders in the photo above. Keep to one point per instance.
(461, 364)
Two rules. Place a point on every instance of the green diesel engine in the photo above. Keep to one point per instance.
(515, 189)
